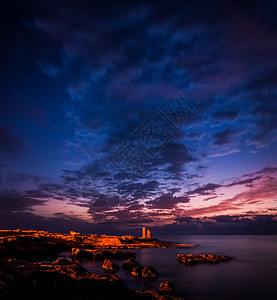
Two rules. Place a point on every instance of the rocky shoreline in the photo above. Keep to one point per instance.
(23, 277)
(202, 258)
(33, 245)
(100, 254)
(63, 279)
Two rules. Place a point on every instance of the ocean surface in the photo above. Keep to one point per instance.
(251, 274)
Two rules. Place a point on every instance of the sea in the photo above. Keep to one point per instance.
(251, 274)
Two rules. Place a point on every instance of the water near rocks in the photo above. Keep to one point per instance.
(251, 274)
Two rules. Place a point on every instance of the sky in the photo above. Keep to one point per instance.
(121, 114)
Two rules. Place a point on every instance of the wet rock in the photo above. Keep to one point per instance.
(110, 265)
(119, 254)
(100, 254)
(77, 253)
(202, 258)
(58, 280)
(151, 295)
(149, 272)
(167, 288)
(137, 271)
(62, 262)
(130, 264)
(140, 271)
(23, 280)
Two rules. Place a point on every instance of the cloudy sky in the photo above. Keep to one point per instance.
(118, 114)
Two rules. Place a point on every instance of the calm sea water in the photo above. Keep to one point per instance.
(252, 274)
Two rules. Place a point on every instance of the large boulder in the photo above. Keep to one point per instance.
(130, 264)
(167, 288)
(110, 265)
(149, 272)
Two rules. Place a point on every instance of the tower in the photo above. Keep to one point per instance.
(143, 232)
(148, 235)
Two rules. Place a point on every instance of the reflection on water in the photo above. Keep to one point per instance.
(252, 274)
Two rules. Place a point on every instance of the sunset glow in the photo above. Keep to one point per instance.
(164, 116)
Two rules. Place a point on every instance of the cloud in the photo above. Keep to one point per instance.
(15, 202)
(206, 189)
(248, 181)
(112, 67)
(227, 115)
(222, 138)
(167, 201)
(9, 143)
(11, 180)
(264, 80)
(60, 223)
(224, 224)
(263, 194)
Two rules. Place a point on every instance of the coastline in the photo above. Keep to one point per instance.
(22, 253)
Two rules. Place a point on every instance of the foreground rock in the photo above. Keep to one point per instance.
(110, 265)
(137, 271)
(202, 258)
(149, 272)
(60, 280)
(151, 295)
(21, 278)
(167, 288)
(140, 271)
(62, 262)
(77, 253)
(130, 264)
(31, 247)
(57, 280)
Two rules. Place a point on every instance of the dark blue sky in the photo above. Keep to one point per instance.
(118, 114)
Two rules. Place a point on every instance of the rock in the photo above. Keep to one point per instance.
(77, 253)
(62, 262)
(149, 272)
(110, 265)
(148, 294)
(100, 254)
(22, 280)
(137, 271)
(201, 258)
(130, 264)
(119, 254)
(30, 248)
(44, 281)
(167, 288)
(34, 245)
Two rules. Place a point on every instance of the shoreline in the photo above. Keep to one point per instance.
(21, 264)
(87, 241)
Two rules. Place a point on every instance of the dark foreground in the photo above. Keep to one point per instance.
(63, 279)
(23, 277)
